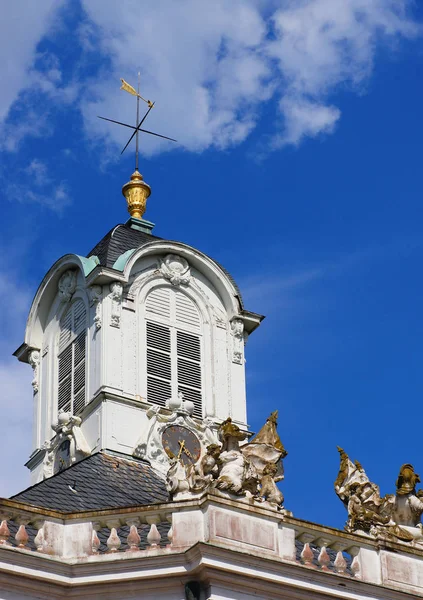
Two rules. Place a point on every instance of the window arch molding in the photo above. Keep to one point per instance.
(70, 356)
(205, 335)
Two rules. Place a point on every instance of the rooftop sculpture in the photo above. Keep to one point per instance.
(393, 516)
(249, 470)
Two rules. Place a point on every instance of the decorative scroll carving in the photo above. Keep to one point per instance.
(67, 285)
(116, 289)
(34, 361)
(237, 330)
(176, 269)
(68, 436)
(392, 516)
(251, 470)
(95, 292)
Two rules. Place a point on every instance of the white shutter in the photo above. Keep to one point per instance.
(72, 341)
(173, 329)
(189, 368)
(159, 367)
(157, 305)
(186, 313)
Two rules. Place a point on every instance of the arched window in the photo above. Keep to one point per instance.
(71, 356)
(174, 348)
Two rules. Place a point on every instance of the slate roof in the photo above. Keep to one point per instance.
(98, 482)
(123, 237)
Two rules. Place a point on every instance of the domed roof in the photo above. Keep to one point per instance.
(126, 237)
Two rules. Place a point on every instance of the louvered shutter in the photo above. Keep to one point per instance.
(159, 367)
(173, 339)
(72, 350)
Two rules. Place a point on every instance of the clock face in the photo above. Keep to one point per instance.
(179, 442)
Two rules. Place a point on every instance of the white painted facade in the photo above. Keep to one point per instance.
(116, 309)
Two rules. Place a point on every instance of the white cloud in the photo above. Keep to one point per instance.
(322, 44)
(43, 190)
(22, 25)
(209, 66)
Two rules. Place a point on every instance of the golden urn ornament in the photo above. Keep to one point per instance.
(136, 192)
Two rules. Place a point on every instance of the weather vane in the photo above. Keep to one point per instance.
(137, 129)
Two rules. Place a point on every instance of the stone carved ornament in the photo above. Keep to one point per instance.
(237, 330)
(34, 361)
(394, 516)
(116, 293)
(179, 412)
(175, 269)
(67, 428)
(95, 292)
(251, 470)
(67, 285)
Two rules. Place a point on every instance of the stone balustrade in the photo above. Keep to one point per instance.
(212, 519)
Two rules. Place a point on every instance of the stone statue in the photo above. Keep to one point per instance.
(408, 506)
(233, 463)
(205, 470)
(252, 469)
(266, 453)
(176, 479)
(393, 516)
(268, 488)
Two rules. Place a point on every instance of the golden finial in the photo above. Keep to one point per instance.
(136, 192)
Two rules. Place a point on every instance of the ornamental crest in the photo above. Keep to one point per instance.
(175, 269)
(67, 285)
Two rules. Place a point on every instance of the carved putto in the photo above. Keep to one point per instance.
(67, 285)
(175, 269)
(230, 467)
(393, 516)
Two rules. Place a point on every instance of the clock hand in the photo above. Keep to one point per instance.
(188, 453)
(181, 449)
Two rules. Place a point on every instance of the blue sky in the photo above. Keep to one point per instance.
(298, 167)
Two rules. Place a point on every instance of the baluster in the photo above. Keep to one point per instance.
(307, 554)
(340, 563)
(324, 559)
(95, 540)
(4, 533)
(133, 539)
(170, 532)
(113, 541)
(22, 537)
(39, 540)
(154, 537)
(355, 565)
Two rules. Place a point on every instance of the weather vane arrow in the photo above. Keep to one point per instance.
(137, 129)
